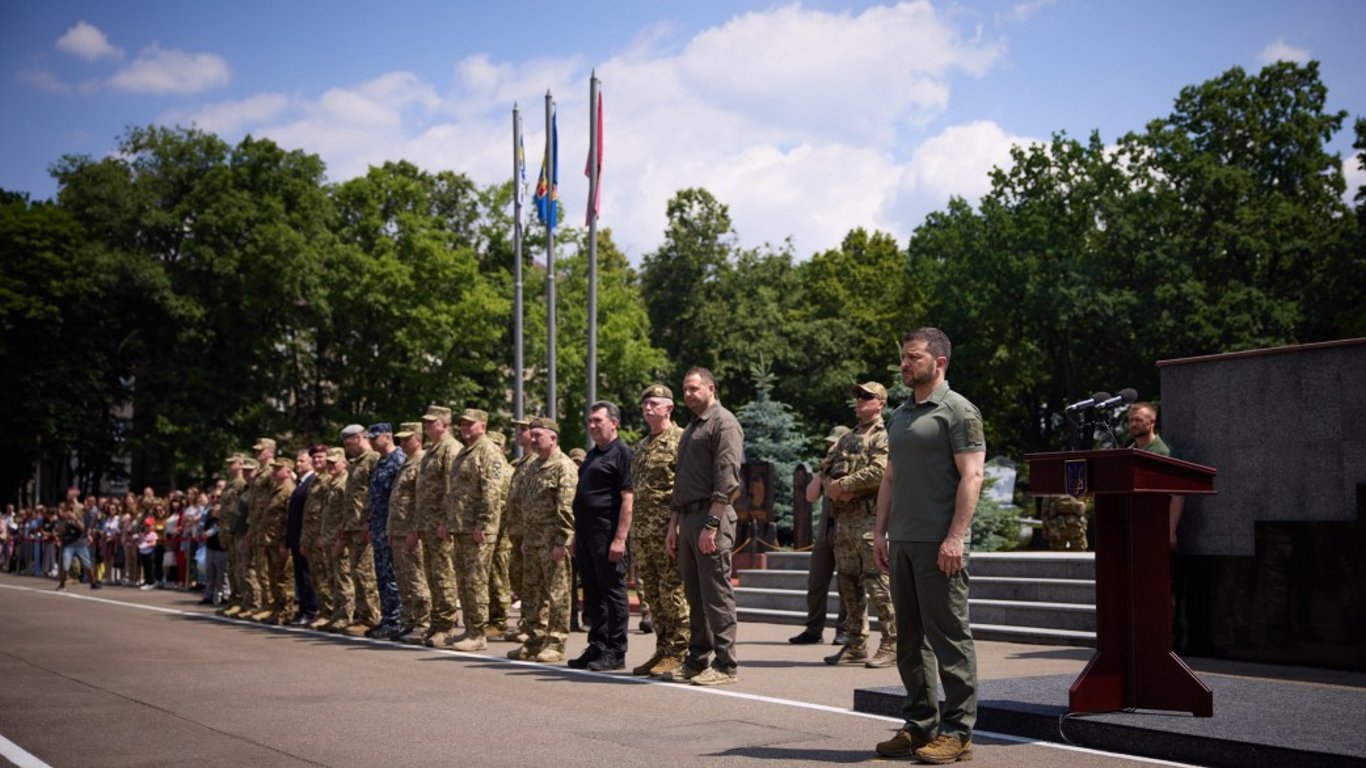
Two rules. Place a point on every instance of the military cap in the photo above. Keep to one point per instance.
(382, 428)
(521, 422)
(336, 454)
(835, 434)
(351, 429)
(871, 387)
(282, 463)
(250, 463)
(578, 454)
(437, 413)
(541, 422)
(408, 429)
(263, 443)
(657, 390)
(233, 458)
(498, 438)
(475, 415)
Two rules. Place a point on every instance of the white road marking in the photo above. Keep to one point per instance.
(19, 756)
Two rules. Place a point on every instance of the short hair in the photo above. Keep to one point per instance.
(701, 373)
(613, 412)
(1144, 404)
(936, 341)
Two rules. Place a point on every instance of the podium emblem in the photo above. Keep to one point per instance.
(1074, 477)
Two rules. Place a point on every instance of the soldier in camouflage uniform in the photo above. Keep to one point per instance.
(246, 577)
(268, 535)
(500, 591)
(860, 460)
(316, 552)
(652, 470)
(547, 512)
(258, 496)
(329, 536)
(381, 486)
(433, 488)
(227, 519)
(512, 519)
(1064, 523)
(472, 516)
(414, 600)
(357, 610)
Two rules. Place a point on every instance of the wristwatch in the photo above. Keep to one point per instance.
(712, 523)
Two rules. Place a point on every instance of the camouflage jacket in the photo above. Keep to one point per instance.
(271, 532)
(356, 513)
(403, 498)
(514, 492)
(857, 463)
(434, 483)
(547, 506)
(652, 474)
(476, 488)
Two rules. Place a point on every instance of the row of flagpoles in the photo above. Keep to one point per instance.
(545, 200)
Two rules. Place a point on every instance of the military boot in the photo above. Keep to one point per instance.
(885, 656)
(645, 670)
(472, 641)
(849, 654)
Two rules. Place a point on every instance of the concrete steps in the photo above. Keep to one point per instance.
(1024, 597)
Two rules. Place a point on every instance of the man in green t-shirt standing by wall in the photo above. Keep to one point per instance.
(924, 510)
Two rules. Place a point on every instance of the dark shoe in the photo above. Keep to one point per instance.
(376, 633)
(584, 659)
(945, 749)
(805, 638)
(647, 627)
(903, 744)
(848, 655)
(840, 638)
(303, 621)
(606, 663)
(96, 585)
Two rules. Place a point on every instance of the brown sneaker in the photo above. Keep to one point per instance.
(471, 642)
(646, 669)
(848, 655)
(666, 664)
(903, 744)
(231, 610)
(885, 656)
(945, 749)
(684, 673)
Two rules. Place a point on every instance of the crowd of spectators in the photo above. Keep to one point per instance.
(147, 541)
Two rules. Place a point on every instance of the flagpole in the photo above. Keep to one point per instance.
(518, 404)
(592, 243)
(550, 404)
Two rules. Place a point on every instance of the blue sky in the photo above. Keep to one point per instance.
(806, 119)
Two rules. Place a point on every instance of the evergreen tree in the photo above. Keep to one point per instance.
(772, 435)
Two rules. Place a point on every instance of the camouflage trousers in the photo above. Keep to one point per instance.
(386, 583)
(472, 561)
(517, 576)
(545, 603)
(859, 579)
(246, 575)
(355, 574)
(437, 553)
(322, 564)
(229, 543)
(278, 584)
(500, 588)
(413, 597)
(661, 586)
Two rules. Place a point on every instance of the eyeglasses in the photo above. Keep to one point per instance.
(866, 396)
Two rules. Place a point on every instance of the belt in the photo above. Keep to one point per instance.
(701, 505)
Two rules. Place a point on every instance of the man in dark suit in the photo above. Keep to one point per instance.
(309, 462)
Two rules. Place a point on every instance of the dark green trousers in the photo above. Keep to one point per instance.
(934, 641)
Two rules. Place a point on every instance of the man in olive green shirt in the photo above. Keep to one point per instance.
(1143, 430)
(924, 508)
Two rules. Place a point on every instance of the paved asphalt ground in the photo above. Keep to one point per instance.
(119, 677)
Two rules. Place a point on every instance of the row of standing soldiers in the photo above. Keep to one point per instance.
(399, 531)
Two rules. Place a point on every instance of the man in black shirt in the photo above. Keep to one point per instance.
(602, 520)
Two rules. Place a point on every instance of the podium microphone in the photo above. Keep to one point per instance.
(1125, 396)
(1091, 401)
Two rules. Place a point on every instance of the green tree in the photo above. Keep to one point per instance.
(772, 435)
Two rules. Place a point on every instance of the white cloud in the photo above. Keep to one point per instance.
(1280, 50)
(43, 80)
(803, 122)
(232, 117)
(1022, 12)
(88, 42)
(163, 70)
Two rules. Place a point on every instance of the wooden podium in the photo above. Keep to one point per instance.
(1134, 666)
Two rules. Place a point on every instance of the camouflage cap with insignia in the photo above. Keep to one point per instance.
(541, 422)
(836, 433)
(498, 438)
(250, 463)
(578, 454)
(282, 463)
(437, 413)
(521, 422)
(336, 454)
(872, 388)
(408, 429)
(263, 443)
(475, 415)
(657, 390)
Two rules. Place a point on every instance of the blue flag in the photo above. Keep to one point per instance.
(546, 194)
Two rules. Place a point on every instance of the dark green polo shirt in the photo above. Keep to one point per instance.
(1156, 446)
(923, 439)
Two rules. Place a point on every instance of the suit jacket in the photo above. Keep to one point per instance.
(294, 524)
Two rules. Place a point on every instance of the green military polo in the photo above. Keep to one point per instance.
(923, 439)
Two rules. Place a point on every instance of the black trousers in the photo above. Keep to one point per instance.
(606, 608)
(305, 596)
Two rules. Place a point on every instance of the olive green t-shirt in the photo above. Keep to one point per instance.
(1157, 446)
(923, 439)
